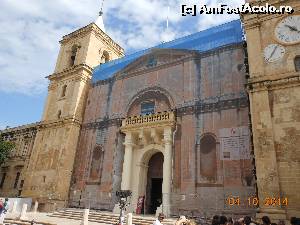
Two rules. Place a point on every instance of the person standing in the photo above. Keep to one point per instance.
(266, 220)
(3, 210)
(159, 219)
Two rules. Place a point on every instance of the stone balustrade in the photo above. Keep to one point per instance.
(160, 117)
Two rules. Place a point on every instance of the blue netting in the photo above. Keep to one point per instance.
(202, 41)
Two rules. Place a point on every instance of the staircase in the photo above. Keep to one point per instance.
(106, 217)
(9, 221)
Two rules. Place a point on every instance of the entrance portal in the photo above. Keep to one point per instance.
(154, 183)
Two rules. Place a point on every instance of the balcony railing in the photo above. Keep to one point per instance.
(159, 117)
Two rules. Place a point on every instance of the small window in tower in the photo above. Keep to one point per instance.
(21, 183)
(297, 63)
(73, 55)
(59, 114)
(63, 91)
(17, 180)
(104, 57)
(147, 108)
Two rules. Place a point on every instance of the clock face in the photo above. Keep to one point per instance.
(288, 30)
(273, 52)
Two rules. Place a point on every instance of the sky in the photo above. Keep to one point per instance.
(30, 31)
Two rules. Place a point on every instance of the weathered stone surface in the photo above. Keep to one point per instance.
(13, 171)
(206, 91)
(274, 98)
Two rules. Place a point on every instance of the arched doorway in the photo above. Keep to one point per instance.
(154, 183)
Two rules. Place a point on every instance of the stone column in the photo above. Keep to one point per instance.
(167, 171)
(36, 205)
(14, 207)
(126, 175)
(85, 220)
(23, 212)
(129, 219)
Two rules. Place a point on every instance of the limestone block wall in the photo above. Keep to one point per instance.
(51, 161)
(287, 139)
(12, 172)
(274, 98)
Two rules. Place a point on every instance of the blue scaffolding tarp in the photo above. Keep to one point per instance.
(202, 41)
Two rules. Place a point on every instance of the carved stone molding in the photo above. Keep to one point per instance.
(21, 129)
(103, 124)
(195, 108)
(253, 86)
(71, 71)
(59, 123)
(202, 107)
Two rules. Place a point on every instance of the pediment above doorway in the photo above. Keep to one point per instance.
(155, 58)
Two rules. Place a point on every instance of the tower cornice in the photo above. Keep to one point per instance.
(71, 71)
(92, 27)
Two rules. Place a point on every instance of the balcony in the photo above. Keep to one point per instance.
(159, 119)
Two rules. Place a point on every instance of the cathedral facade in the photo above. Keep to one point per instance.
(174, 124)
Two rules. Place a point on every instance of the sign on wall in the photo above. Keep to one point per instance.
(234, 143)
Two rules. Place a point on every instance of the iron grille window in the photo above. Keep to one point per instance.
(147, 108)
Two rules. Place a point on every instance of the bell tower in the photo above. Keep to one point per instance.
(273, 44)
(51, 163)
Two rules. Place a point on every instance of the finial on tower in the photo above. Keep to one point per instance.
(99, 21)
(166, 35)
(101, 10)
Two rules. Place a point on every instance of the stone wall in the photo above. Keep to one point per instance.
(274, 97)
(12, 172)
(206, 91)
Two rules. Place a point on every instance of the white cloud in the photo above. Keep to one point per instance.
(30, 31)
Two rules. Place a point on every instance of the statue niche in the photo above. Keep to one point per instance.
(96, 164)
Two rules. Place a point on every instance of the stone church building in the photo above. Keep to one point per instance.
(188, 126)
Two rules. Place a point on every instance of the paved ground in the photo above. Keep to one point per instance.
(42, 217)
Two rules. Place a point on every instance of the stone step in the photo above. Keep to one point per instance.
(9, 221)
(108, 214)
(105, 217)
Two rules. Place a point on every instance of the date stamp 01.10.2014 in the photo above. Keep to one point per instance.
(254, 201)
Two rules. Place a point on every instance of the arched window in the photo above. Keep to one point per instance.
(104, 57)
(297, 63)
(96, 164)
(59, 114)
(17, 180)
(147, 107)
(208, 158)
(63, 91)
(73, 55)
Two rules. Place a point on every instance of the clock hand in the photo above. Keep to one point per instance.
(292, 28)
(273, 52)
